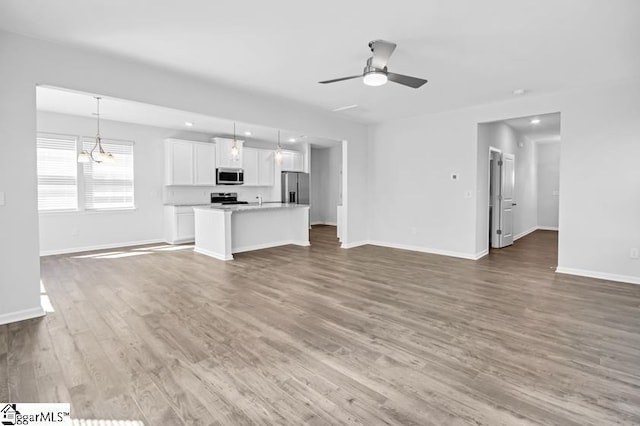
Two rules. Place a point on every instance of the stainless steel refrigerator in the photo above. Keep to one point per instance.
(295, 188)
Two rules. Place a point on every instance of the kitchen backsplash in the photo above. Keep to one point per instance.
(202, 194)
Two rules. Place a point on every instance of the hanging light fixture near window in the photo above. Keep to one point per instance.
(87, 156)
(235, 152)
(279, 150)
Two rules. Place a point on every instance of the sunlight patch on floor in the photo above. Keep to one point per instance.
(45, 302)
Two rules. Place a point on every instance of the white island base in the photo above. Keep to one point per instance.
(222, 231)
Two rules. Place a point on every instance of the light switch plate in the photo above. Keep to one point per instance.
(1, 198)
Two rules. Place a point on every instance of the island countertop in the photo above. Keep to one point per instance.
(251, 207)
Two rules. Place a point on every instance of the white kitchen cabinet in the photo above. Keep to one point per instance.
(223, 153)
(258, 167)
(179, 224)
(179, 162)
(251, 166)
(205, 164)
(189, 163)
(292, 161)
(266, 169)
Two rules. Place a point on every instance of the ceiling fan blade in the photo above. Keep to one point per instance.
(382, 51)
(340, 79)
(406, 80)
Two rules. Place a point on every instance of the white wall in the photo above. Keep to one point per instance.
(326, 185)
(598, 161)
(24, 61)
(548, 183)
(414, 203)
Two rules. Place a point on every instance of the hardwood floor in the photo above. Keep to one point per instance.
(322, 335)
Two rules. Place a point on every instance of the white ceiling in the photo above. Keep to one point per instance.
(547, 130)
(84, 104)
(471, 51)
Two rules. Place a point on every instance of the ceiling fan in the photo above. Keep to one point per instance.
(376, 74)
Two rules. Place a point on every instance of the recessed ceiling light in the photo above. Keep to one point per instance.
(292, 139)
(247, 133)
(188, 124)
(519, 92)
(535, 121)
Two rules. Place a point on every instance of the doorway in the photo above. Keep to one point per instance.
(518, 179)
(326, 192)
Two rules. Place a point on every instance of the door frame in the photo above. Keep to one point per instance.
(493, 224)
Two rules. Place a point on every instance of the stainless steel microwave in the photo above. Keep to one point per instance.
(229, 176)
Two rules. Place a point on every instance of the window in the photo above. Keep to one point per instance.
(65, 184)
(57, 172)
(109, 185)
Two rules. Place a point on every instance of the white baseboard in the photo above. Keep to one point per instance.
(212, 254)
(251, 248)
(25, 314)
(100, 247)
(533, 229)
(525, 233)
(481, 254)
(601, 275)
(354, 245)
(461, 255)
(270, 245)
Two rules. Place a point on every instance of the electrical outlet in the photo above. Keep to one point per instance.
(634, 253)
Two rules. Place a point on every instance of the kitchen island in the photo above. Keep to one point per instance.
(223, 230)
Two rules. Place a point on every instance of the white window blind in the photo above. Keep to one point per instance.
(57, 172)
(109, 185)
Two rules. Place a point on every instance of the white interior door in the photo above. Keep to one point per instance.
(506, 200)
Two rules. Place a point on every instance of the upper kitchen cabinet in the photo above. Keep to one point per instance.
(224, 157)
(189, 163)
(266, 169)
(205, 164)
(258, 167)
(292, 161)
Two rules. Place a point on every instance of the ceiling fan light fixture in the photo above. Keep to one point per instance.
(375, 78)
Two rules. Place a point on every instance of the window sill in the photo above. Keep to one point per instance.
(99, 211)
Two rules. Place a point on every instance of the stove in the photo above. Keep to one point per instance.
(226, 198)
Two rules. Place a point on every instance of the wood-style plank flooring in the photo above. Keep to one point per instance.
(322, 335)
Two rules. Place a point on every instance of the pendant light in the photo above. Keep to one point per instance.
(88, 156)
(279, 150)
(235, 152)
